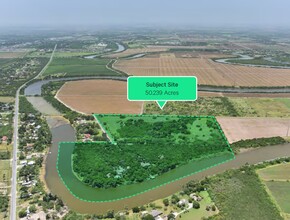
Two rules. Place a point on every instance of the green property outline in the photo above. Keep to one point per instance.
(113, 142)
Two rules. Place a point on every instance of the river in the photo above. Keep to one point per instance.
(247, 57)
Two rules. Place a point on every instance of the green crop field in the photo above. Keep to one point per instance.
(237, 191)
(156, 150)
(75, 66)
(276, 178)
(281, 192)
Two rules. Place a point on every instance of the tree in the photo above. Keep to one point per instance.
(195, 205)
(148, 217)
(171, 216)
(110, 214)
(32, 209)
(22, 213)
(174, 199)
(136, 209)
(166, 202)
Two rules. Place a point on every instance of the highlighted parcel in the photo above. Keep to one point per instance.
(162, 88)
(143, 152)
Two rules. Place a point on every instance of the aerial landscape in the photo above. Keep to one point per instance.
(145, 111)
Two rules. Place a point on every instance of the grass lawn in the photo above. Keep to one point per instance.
(5, 171)
(280, 190)
(75, 66)
(239, 194)
(4, 130)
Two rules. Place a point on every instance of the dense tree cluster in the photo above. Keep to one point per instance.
(149, 150)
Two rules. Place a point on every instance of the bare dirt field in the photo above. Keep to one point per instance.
(207, 71)
(237, 129)
(98, 96)
(11, 54)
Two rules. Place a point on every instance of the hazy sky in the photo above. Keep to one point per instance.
(130, 12)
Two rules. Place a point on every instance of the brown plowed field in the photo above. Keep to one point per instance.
(237, 129)
(207, 71)
(98, 96)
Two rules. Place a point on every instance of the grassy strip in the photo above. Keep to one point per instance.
(257, 142)
(25, 106)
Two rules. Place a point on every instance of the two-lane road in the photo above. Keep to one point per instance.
(13, 204)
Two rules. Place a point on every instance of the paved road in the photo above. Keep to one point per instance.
(13, 204)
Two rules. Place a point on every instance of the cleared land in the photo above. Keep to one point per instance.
(207, 71)
(11, 54)
(225, 106)
(75, 66)
(98, 96)
(6, 99)
(237, 129)
(276, 178)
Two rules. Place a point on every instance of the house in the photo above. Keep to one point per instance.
(28, 146)
(195, 197)
(156, 213)
(182, 202)
(30, 163)
(23, 162)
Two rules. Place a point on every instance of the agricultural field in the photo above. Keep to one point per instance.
(98, 96)
(276, 178)
(237, 129)
(206, 70)
(237, 191)
(75, 66)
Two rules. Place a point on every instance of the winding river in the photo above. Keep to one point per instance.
(63, 131)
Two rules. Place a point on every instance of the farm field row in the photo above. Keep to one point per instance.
(207, 71)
